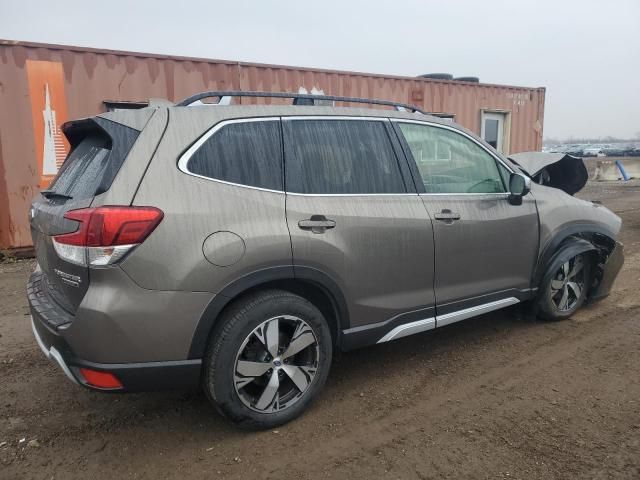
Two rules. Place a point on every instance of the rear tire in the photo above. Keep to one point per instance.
(267, 360)
(565, 289)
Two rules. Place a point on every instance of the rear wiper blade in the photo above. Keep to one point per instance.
(52, 193)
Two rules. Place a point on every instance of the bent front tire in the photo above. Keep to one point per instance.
(268, 359)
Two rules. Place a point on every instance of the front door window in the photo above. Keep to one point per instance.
(451, 163)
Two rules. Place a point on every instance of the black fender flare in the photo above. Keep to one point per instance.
(564, 240)
(572, 248)
(261, 277)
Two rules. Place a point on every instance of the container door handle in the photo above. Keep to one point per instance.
(317, 224)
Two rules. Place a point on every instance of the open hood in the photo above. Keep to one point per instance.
(557, 170)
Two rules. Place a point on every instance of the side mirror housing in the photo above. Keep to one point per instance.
(519, 186)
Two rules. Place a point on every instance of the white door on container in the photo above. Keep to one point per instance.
(493, 130)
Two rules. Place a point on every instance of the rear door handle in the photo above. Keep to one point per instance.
(447, 215)
(317, 224)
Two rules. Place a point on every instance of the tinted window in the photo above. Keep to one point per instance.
(341, 156)
(451, 163)
(247, 153)
(84, 168)
(99, 149)
(505, 174)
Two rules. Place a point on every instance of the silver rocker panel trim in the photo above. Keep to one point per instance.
(442, 320)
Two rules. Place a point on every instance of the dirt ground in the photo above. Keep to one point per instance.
(499, 396)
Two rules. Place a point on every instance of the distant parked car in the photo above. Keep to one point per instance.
(593, 152)
(572, 149)
(621, 151)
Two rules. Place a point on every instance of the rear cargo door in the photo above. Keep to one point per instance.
(98, 149)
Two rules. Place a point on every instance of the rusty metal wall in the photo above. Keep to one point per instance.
(92, 76)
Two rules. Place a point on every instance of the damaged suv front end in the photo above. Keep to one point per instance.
(566, 219)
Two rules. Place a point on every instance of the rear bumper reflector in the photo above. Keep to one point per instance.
(98, 379)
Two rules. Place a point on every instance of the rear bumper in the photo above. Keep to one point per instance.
(135, 377)
(52, 353)
(51, 325)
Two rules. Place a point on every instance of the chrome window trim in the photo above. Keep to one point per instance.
(464, 134)
(183, 161)
(332, 117)
(489, 194)
(352, 194)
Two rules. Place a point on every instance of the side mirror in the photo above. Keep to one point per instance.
(519, 186)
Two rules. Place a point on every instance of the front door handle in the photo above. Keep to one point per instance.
(447, 215)
(317, 224)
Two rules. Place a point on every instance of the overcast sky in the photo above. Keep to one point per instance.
(587, 52)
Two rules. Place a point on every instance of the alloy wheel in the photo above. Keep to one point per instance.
(567, 284)
(276, 364)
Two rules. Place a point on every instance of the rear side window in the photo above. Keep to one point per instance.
(247, 153)
(84, 168)
(341, 157)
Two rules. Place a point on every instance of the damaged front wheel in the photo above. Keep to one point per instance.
(565, 288)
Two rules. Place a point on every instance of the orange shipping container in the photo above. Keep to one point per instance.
(41, 86)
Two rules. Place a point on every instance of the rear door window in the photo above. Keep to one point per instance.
(245, 153)
(341, 157)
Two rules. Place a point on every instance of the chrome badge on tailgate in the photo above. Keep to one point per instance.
(67, 278)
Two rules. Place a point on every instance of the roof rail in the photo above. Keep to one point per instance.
(298, 99)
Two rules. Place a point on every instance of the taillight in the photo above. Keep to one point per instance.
(105, 234)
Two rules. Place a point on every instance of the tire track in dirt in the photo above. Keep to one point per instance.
(382, 431)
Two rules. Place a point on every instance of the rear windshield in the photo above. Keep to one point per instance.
(100, 147)
(84, 168)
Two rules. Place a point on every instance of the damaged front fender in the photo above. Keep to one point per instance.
(609, 270)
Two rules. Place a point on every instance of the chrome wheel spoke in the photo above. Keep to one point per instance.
(269, 394)
(568, 283)
(247, 372)
(266, 378)
(556, 285)
(300, 376)
(301, 339)
(577, 290)
(563, 303)
(252, 369)
(269, 335)
(577, 267)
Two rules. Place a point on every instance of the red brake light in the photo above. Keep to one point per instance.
(79, 237)
(98, 379)
(111, 226)
(105, 234)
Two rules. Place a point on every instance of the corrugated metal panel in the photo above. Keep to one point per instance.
(92, 76)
